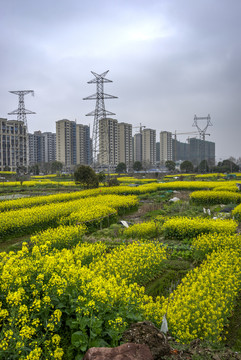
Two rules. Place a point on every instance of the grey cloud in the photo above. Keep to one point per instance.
(186, 62)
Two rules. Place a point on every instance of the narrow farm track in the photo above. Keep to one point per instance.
(13, 244)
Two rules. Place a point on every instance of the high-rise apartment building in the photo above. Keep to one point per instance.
(125, 143)
(195, 150)
(49, 141)
(138, 147)
(13, 144)
(41, 147)
(148, 147)
(201, 150)
(35, 148)
(180, 150)
(32, 154)
(66, 143)
(108, 142)
(83, 145)
(165, 146)
(158, 153)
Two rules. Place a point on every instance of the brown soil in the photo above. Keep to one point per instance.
(164, 347)
(144, 207)
(182, 195)
(146, 333)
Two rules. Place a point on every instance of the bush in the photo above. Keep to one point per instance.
(86, 177)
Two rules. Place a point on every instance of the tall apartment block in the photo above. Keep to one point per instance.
(13, 144)
(180, 150)
(149, 147)
(138, 147)
(108, 142)
(158, 152)
(41, 147)
(201, 150)
(49, 146)
(165, 146)
(125, 143)
(195, 150)
(83, 145)
(66, 143)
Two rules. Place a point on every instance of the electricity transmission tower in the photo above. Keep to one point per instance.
(99, 113)
(21, 111)
(202, 132)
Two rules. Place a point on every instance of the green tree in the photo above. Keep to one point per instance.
(34, 169)
(21, 170)
(113, 182)
(137, 166)
(170, 165)
(120, 168)
(86, 177)
(102, 177)
(45, 167)
(56, 166)
(203, 166)
(228, 166)
(186, 166)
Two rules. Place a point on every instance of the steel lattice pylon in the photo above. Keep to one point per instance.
(202, 131)
(99, 113)
(21, 111)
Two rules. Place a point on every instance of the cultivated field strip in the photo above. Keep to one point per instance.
(29, 220)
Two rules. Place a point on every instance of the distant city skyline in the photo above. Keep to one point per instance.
(168, 60)
(71, 145)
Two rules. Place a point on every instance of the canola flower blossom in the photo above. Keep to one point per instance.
(145, 230)
(61, 237)
(92, 215)
(38, 286)
(26, 221)
(88, 294)
(118, 190)
(132, 180)
(185, 227)
(138, 262)
(29, 183)
(179, 227)
(237, 212)
(205, 244)
(102, 295)
(58, 198)
(202, 304)
(210, 176)
(216, 196)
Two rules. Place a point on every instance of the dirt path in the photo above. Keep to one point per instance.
(16, 243)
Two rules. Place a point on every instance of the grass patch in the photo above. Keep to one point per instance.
(157, 196)
(13, 244)
(178, 208)
(172, 272)
(234, 330)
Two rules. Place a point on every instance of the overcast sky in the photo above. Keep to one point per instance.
(168, 60)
